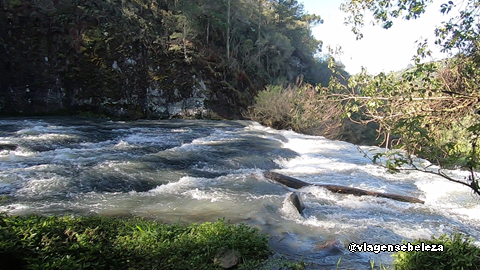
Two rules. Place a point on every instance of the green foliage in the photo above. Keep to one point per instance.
(119, 243)
(266, 39)
(282, 263)
(429, 111)
(383, 11)
(459, 252)
(107, 57)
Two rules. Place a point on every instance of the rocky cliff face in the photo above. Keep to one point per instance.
(101, 58)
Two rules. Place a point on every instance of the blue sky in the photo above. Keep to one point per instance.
(380, 49)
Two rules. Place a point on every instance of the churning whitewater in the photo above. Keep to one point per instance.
(198, 170)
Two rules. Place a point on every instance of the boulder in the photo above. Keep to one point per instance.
(330, 247)
(227, 258)
(297, 202)
(8, 146)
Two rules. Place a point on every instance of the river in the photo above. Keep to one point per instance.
(199, 170)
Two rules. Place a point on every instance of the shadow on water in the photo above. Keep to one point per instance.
(224, 156)
(105, 156)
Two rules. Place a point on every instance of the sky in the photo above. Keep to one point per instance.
(380, 49)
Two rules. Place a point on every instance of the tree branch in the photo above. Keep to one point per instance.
(439, 173)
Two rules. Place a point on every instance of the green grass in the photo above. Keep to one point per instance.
(94, 242)
(459, 252)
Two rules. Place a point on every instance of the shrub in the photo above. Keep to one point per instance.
(458, 253)
(296, 107)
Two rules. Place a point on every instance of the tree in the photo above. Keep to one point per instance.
(429, 111)
(228, 31)
(285, 46)
(460, 32)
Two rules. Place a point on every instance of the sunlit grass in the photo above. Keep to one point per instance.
(96, 242)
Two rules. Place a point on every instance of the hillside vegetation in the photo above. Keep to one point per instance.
(151, 58)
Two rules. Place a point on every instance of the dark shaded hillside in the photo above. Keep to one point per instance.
(87, 56)
(149, 58)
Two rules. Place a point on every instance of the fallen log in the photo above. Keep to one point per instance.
(296, 184)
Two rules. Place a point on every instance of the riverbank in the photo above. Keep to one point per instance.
(99, 242)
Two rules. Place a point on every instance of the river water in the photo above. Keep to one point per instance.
(196, 171)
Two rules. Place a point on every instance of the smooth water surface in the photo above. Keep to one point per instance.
(196, 170)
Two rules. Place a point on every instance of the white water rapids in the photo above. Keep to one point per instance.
(196, 171)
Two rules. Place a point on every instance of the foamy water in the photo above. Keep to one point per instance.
(195, 171)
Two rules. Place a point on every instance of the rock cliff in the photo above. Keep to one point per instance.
(103, 58)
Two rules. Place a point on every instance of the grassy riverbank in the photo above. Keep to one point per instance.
(94, 242)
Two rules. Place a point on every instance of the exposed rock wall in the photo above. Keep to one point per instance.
(97, 57)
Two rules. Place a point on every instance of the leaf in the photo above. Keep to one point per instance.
(376, 157)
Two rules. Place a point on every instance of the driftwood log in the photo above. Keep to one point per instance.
(296, 183)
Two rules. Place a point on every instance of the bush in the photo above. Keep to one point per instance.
(94, 242)
(296, 107)
(458, 253)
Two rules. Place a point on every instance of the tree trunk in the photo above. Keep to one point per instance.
(296, 183)
(228, 32)
(208, 30)
(184, 31)
(260, 11)
(185, 37)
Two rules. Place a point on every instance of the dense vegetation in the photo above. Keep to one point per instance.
(35, 242)
(428, 111)
(151, 58)
(431, 110)
(295, 106)
(458, 252)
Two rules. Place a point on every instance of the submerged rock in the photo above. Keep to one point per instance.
(297, 202)
(330, 247)
(8, 146)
